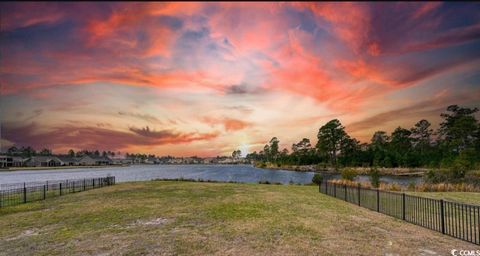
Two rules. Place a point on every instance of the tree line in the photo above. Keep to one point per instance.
(29, 152)
(455, 143)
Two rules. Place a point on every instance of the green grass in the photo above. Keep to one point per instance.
(171, 218)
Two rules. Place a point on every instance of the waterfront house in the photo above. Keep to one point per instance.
(121, 160)
(86, 160)
(6, 161)
(103, 160)
(152, 160)
(18, 161)
(42, 161)
(68, 160)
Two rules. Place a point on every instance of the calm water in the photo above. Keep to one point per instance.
(238, 173)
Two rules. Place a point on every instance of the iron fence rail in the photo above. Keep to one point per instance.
(14, 194)
(455, 219)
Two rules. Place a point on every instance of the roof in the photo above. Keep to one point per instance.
(43, 158)
(68, 159)
(102, 158)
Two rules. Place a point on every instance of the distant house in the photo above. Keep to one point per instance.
(209, 160)
(6, 161)
(121, 160)
(152, 160)
(226, 160)
(102, 160)
(86, 160)
(18, 161)
(68, 160)
(35, 161)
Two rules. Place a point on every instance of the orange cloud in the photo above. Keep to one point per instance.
(230, 124)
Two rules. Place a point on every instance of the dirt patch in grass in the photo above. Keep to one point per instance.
(24, 234)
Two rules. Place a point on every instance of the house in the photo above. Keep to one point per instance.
(209, 160)
(35, 161)
(121, 160)
(6, 161)
(18, 161)
(226, 160)
(68, 160)
(86, 160)
(103, 160)
(152, 160)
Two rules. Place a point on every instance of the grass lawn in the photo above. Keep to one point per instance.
(465, 197)
(169, 218)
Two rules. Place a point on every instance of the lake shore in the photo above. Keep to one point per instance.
(10, 169)
(406, 172)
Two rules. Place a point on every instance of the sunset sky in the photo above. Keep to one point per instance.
(207, 78)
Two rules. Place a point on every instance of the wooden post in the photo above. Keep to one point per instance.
(326, 187)
(403, 206)
(83, 184)
(442, 211)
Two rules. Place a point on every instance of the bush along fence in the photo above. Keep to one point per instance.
(14, 194)
(450, 218)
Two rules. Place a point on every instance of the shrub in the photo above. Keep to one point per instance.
(374, 177)
(459, 168)
(317, 178)
(411, 186)
(348, 174)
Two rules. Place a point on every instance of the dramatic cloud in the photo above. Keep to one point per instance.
(66, 137)
(227, 73)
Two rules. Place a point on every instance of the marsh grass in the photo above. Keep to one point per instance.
(420, 187)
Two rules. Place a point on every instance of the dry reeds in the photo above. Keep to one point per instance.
(421, 187)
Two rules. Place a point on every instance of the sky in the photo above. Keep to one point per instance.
(205, 79)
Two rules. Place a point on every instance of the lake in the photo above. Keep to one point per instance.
(237, 173)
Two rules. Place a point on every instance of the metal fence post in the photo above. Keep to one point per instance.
(378, 200)
(403, 206)
(345, 187)
(60, 188)
(334, 189)
(44, 192)
(442, 211)
(83, 184)
(359, 188)
(24, 193)
(326, 187)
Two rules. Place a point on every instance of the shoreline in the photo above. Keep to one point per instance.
(40, 168)
(399, 172)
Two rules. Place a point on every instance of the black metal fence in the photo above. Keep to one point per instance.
(14, 194)
(450, 218)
